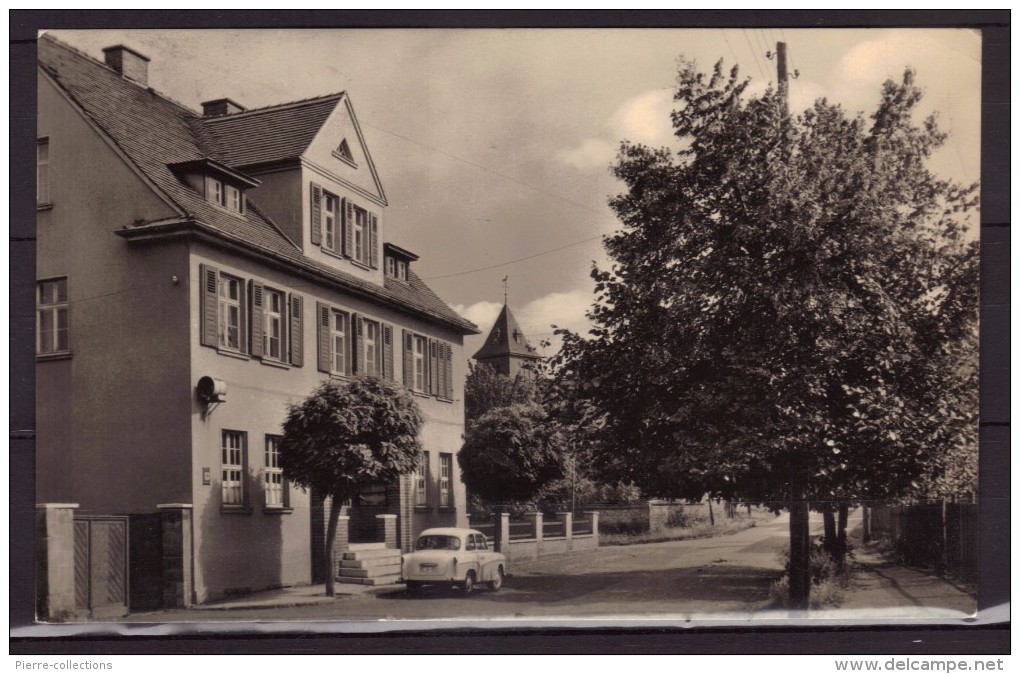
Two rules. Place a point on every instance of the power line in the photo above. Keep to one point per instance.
(754, 54)
(508, 262)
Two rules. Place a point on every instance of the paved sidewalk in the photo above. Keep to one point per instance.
(302, 595)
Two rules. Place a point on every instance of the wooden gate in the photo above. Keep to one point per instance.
(101, 565)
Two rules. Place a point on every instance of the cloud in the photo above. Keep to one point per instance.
(482, 314)
(645, 118)
(592, 153)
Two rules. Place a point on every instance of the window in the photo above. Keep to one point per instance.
(214, 191)
(421, 481)
(445, 471)
(235, 199)
(230, 313)
(232, 473)
(371, 348)
(272, 314)
(359, 226)
(419, 363)
(391, 266)
(330, 233)
(338, 343)
(401, 270)
(275, 487)
(42, 172)
(224, 195)
(52, 317)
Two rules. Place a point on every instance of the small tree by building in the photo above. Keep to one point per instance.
(509, 453)
(346, 437)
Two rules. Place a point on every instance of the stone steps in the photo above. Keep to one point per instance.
(376, 565)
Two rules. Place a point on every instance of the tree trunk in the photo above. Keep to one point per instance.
(335, 506)
(831, 543)
(800, 553)
(844, 513)
(711, 516)
(866, 524)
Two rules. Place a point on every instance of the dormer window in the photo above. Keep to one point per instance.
(221, 185)
(224, 195)
(401, 270)
(398, 262)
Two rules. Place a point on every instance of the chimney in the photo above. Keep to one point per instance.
(129, 63)
(220, 107)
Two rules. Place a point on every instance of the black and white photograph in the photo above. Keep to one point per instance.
(510, 326)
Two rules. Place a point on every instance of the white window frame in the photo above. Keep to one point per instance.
(402, 270)
(419, 360)
(339, 336)
(273, 321)
(330, 230)
(214, 191)
(421, 481)
(373, 341)
(52, 307)
(275, 487)
(42, 171)
(225, 305)
(234, 199)
(391, 266)
(445, 478)
(232, 450)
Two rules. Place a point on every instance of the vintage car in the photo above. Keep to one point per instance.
(459, 557)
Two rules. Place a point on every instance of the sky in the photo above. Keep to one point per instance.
(494, 145)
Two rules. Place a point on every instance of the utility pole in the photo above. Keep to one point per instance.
(800, 531)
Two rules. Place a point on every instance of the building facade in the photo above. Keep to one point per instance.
(197, 274)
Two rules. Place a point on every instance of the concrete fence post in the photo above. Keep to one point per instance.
(54, 561)
(178, 579)
(594, 515)
(503, 533)
(536, 525)
(568, 527)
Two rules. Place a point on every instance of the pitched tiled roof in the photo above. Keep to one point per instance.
(506, 339)
(269, 134)
(155, 132)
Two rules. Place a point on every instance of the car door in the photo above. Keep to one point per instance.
(485, 557)
(471, 555)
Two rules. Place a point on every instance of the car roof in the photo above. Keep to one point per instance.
(449, 531)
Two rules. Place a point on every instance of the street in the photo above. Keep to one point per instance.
(728, 575)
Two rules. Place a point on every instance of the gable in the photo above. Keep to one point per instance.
(339, 151)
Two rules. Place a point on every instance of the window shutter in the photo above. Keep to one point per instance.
(387, 337)
(433, 363)
(257, 327)
(359, 344)
(316, 214)
(408, 359)
(296, 332)
(322, 318)
(209, 293)
(348, 228)
(449, 371)
(348, 343)
(440, 385)
(242, 333)
(373, 241)
(286, 493)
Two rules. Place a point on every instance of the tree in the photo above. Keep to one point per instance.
(486, 389)
(790, 311)
(509, 453)
(346, 437)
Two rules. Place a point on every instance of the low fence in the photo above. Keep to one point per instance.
(654, 516)
(938, 535)
(535, 535)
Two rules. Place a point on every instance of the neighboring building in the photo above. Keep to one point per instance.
(506, 349)
(246, 246)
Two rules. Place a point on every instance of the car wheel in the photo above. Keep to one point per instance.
(497, 583)
(469, 582)
(413, 585)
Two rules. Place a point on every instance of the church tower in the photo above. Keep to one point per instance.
(506, 349)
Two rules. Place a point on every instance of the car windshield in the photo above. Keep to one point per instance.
(437, 543)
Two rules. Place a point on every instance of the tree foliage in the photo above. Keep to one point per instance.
(346, 437)
(790, 312)
(486, 389)
(509, 453)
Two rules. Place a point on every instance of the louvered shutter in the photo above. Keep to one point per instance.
(433, 365)
(387, 337)
(242, 332)
(348, 343)
(408, 341)
(359, 344)
(373, 241)
(348, 228)
(257, 326)
(322, 319)
(449, 371)
(316, 228)
(210, 308)
(440, 385)
(296, 331)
